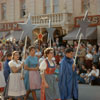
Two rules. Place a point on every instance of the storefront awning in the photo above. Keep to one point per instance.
(90, 34)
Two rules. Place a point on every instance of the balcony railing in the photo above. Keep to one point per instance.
(56, 19)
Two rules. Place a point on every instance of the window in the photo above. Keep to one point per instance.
(47, 6)
(3, 11)
(51, 6)
(56, 6)
(22, 8)
(85, 5)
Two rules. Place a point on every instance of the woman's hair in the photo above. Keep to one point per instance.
(13, 54)
(31, 47)
(8, 54)
(47, 50)
(94, 65)
(43, 51)
(90, 51)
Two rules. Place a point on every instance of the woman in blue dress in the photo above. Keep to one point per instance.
(32, 76)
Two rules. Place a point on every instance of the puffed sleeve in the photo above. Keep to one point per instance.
(42, 66)
(11, 64)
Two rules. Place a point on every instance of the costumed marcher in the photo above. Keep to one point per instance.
(16, 88)
(68, 85)
(2, 81)
(6, 67)
(32, 77)
(49, 87)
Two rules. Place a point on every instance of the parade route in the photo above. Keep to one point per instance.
(86, 92)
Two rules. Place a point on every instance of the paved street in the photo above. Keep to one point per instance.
(87, 92)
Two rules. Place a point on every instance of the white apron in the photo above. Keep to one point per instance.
(16, 85)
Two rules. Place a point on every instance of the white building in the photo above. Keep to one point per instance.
(62, 13)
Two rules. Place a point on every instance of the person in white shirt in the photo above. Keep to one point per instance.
(94, 73)
(86, 78)
(38, 53)
(89, 56)
(16, 88)
(88, 59)
(43, 57)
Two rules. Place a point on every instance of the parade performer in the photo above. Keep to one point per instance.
(2, 81)
(16, 88)
(49, 88)
(32, 76)
(68, 85)
(6, 67)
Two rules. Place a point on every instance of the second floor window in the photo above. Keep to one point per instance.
(22, 8)
(56, 6)
(47, 6)
(3, 11)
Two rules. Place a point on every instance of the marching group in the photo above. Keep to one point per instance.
(50, 70)
(40, 73)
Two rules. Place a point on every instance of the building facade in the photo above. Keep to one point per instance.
(62, 13)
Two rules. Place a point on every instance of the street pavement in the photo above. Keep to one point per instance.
(86, 92)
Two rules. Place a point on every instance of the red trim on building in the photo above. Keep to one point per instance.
(95, 20)
(10, 26)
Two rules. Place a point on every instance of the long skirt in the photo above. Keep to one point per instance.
(2, 81)
(32, 80)
(16, 86)
(51, 93)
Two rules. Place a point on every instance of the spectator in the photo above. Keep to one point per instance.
(94, 73)
(83, 69)
(81, 55)
(38, 53)
(88, 59)
(57, 58)
(86, 78)
(96, 58)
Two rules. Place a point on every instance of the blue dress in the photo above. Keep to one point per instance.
(68, 85)
(6, 70)
(31, 77)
